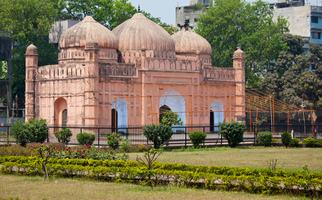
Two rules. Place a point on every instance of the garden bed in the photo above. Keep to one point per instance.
(213, 178)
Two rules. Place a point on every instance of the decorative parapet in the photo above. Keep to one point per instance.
(219, 74)
(170, 65)
(56, 72)
(118, 70)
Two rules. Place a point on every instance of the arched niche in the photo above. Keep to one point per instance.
(119, 115)
(176, 102)
(60, 112)
(216, 115)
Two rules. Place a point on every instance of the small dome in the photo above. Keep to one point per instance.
(88, 31)
(140, 33)
(31, 50)
(238, 54)
(188, 41)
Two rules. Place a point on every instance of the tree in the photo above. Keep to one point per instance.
(169, 118)
(111, 13)
(28, 21)
(231, 23)
(295, 77)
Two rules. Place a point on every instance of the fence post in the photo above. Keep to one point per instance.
(8, 135)
(185, 136)
(98, 137)
(48, 136)
(221, 139)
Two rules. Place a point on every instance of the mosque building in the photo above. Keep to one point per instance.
(129, 76)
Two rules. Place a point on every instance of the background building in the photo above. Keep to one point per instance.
(191, 12)
(304, 20)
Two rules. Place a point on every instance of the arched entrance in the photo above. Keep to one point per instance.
(174, 101)
(60, 112)
(216, 116)
(119, 116)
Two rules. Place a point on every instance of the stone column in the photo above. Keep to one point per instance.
(90, 117)
(239, 66)
(31, 64)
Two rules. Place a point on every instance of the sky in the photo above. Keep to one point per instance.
(165, 9)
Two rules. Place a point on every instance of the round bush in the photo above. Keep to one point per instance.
(85, 138)
(19, 131)
(64, 135)
(158, 134)
(38, 130)
(32, 131)
(264, 138)
(233, 132)
(197, 138)
(286, 139)
(113, 140)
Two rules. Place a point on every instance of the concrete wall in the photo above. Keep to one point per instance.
(299, 19)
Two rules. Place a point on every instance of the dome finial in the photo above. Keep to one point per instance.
(186, 26)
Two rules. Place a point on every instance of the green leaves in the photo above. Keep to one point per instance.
(232, 23)
(233, 132)
(169, 118)
(158, 134)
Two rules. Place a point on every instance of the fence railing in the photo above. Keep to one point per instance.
(180, 137)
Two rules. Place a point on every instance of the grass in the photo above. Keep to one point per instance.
(291, 158)
(22, 187)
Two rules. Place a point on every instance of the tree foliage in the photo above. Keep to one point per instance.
(231, 23)
(295, 77)
(169, 118)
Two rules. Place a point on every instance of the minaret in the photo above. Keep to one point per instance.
(30, 90)
(239, 66)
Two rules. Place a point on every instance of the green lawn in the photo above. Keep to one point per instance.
(30, 188)
(290, 158)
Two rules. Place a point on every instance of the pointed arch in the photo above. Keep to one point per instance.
(60, 112)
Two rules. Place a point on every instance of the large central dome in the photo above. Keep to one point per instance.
(88, 31)
(140, 33)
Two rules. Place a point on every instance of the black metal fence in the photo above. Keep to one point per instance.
(180, 137)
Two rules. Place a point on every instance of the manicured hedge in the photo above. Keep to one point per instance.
(225, 178)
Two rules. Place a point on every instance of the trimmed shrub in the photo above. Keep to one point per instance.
(264, 138)
(233, 132)
(295, 142)
(20, 132)
(38, 130)
(85, 138)
(206, 177)
(158, 134)
(64, 135)
(32, 131)
(312, 142)
(286, 139)
(197, 138)
(113, 140)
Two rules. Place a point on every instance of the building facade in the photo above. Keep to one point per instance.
(190, 13)
(303, 20)
(129, 76)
